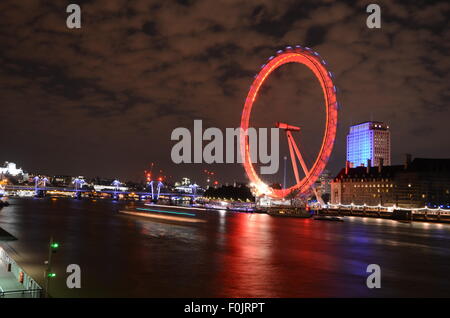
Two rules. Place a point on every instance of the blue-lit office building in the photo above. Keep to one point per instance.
(370, 140)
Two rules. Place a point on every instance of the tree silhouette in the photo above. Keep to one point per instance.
(231, 193)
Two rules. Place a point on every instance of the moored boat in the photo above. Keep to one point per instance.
(290, 212)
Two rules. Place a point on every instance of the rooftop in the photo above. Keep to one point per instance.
(416, 165)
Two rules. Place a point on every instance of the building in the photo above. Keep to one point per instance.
(415, 184)
(191, 188)
(369, 140)
(10, 168)
(185, 181)
(11, 172)
(323, 185)
(61, 180)
(187, 187)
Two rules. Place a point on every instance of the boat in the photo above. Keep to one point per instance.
(289, 212)
(164, 215)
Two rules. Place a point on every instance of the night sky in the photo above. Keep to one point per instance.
(103, 100)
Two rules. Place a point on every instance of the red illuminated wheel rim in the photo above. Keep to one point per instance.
(312, 60)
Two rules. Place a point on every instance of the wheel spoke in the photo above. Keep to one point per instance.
(299, 155)
(294, 163)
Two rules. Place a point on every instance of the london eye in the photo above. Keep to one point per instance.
(304, 184)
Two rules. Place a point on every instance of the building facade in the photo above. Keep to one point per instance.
(323, 185)
(10, 168)
(61, 180)
(369, 140)
(416, 184)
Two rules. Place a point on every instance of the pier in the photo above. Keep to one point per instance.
(423, 214)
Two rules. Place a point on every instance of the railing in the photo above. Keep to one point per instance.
(31, 287)
(26, 293)
(70, 189)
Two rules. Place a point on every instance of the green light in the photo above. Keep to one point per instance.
(54, 245)
(51, 275)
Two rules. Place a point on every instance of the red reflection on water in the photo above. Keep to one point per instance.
(260, 258)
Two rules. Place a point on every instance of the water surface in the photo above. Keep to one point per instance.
(230, 255)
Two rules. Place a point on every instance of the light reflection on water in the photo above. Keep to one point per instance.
(230, 255)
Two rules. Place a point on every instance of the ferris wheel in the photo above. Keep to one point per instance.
(312, 60)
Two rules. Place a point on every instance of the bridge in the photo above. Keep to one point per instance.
(141, 195)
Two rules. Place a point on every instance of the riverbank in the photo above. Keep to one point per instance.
(399, 215)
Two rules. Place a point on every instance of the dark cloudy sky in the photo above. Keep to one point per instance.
(104, 99)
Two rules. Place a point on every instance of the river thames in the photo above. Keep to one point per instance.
(228, 255)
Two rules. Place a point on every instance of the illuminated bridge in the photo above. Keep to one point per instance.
(112, 193)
